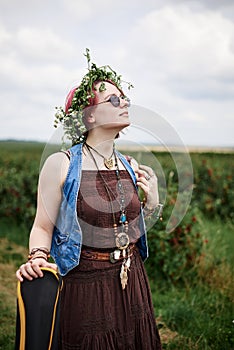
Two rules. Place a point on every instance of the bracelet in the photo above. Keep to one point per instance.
(37, 257)
(41, 249)
(157, 211)
(39, 253)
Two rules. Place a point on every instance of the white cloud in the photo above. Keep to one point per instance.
(194, 117)
(85, 10)
(42, 45)
(5, 37)
(16, 74)
(36, 59)
(185, 50)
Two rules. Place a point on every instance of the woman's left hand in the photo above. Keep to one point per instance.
(148, 182)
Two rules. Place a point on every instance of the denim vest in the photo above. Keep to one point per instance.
(67, 235)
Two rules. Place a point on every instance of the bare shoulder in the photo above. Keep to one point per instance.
(55, 167)
(56, 159)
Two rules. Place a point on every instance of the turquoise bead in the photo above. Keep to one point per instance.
(123, 218)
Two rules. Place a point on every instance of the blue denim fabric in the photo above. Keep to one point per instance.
(67, 235)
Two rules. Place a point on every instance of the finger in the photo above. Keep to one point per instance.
(24, 272)
(36, 268)
(142, 180)
(141, 172)
(142, 175)
(146, 168)
(29, 268)
(144, 187)
(19, 276)
(32, 269)
(146, 175)
(49, 265)
(54, 267)
(44, 263)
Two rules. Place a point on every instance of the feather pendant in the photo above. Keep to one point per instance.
(124, 273)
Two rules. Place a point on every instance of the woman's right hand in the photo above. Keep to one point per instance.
(32, 269)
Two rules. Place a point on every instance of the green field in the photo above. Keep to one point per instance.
(190, 268)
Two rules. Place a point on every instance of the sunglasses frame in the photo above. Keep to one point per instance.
(113, 99)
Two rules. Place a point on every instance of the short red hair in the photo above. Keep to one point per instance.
(92, 100)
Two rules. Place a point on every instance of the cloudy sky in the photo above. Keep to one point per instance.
(179, 55)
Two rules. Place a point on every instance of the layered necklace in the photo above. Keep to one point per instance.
(121, 234)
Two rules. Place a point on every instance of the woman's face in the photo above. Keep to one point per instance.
(107, 116)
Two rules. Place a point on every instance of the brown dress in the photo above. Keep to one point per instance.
(96, 314)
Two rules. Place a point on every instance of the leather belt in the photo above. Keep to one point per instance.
(106, 256)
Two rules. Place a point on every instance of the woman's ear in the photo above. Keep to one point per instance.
(90, 119)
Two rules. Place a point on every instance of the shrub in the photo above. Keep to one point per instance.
(213, 191)
(175, 254)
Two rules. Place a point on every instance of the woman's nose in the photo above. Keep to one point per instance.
(124, 102)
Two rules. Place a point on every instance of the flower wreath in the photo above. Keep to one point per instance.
(72, 118)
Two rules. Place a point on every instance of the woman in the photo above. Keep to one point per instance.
(89, 217)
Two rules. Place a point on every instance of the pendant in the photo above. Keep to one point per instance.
(124, 272)
(108, 163)
(122, 240)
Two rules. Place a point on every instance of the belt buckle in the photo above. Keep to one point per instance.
(112, 258)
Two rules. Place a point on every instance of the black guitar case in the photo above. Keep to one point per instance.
(37, 320)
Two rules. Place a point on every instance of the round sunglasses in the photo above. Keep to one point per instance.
(116, 100)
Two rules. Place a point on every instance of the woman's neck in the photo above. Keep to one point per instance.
(103, 146)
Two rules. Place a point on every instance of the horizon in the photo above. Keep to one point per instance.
(153, 147)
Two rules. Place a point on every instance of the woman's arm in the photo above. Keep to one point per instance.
(50, 185)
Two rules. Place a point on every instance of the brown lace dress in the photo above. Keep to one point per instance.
(96, 314)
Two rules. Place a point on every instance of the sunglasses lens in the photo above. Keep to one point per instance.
(115, 101)
(128, 101)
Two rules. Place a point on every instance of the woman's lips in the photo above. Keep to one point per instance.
(124, 114)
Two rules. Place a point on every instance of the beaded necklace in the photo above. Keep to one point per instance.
(121, 238)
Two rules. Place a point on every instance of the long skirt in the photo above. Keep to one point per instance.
(96, 314)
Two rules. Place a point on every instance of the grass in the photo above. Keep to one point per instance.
(193, 316)
(11, 255)
(199, 315)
